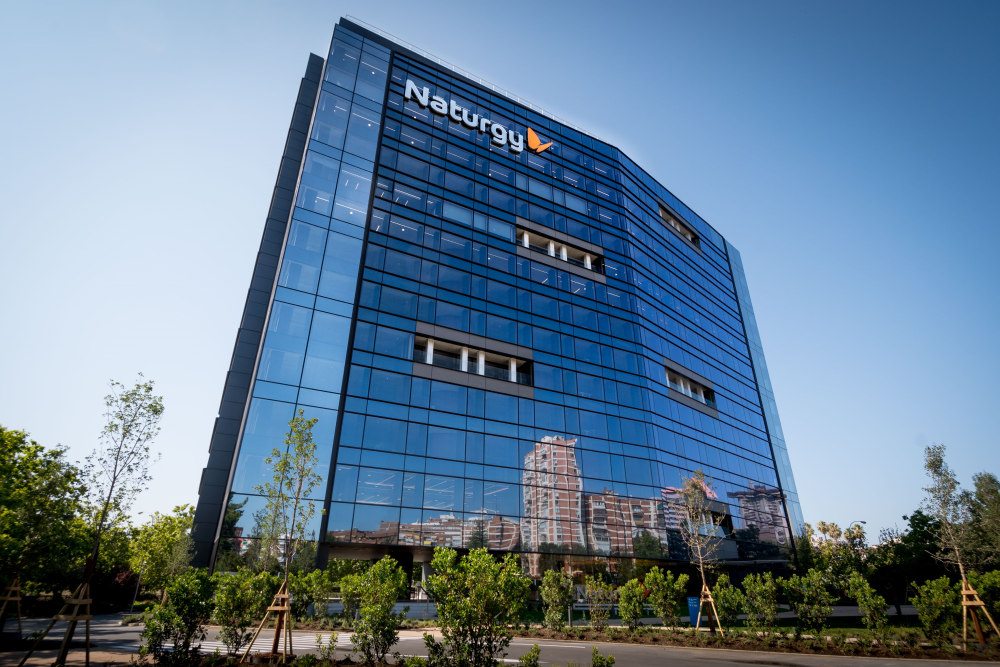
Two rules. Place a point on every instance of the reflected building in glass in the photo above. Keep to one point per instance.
(512, 336)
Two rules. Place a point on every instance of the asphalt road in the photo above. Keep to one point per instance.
(106, 632)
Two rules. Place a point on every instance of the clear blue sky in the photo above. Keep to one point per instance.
(848, 149)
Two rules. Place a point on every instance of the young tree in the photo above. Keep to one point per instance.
(180, 621)
(946, 502)
(479, 601)
(700, 523)
(118, 469)
(729, 601)
(761, 602)
(986, 517)
(665, 594)
(600, 600)
(294, 478)
(240, 598)
(631, 603)
(557, 594)
(377, 628)
(809, 598)
(161, 548)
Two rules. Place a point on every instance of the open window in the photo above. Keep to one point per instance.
(470, 360)
(560, 250)
(680, 227)
(690, 388)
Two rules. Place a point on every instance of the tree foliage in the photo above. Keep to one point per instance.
(951, 506)
(631, 600)
(761, 602)
(479, 601)
(241, 598)
(174, 631)
(557, 594)
(601, 598)
(810, 599)
(729, 602)
(376, 631)
(938, 607)
(161, 548)
(118, 469)
(41, 501)
(666, 593)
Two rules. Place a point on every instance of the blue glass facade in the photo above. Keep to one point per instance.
(527, 350)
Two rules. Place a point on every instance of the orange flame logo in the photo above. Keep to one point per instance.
(534, 143)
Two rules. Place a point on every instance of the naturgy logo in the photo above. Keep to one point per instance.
(499, 134)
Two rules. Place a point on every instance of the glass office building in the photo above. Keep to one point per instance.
(512, 336)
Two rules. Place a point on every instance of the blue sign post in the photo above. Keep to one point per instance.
(694, 605)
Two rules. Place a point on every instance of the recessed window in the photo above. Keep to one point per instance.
(469, 360)
(559, 250)
(680, 227)
(690, 388)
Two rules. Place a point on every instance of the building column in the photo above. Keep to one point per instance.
(513, 370)
(586, 262)
(562, 253)
(552, 248)
(430, 351)
(481, 363)
(524, 239)
(465, 360)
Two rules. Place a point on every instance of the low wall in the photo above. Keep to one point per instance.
(419, 609)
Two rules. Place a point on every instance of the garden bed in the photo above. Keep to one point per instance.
(840, 643)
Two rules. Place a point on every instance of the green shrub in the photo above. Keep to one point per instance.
(665, 594)
(988, 587)
(530, 659)
(938, 606)
(241, 600)
(600, 599)
(631, 600)
(598, 660)
(809, 598)
(479, 603)
(180, 621)
(557, 594)
(377, 627)
(871, 604)
(729, 602)
(306, 660)
(350, 596)
(761, 603)
(327, 652)
(415, 661)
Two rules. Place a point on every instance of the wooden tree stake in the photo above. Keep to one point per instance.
(282, 627)
(78, 599)
(13, 594)
(706, 602)
(970, 602)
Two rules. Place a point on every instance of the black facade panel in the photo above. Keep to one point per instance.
(246, 350)
(238, 379)
(230, 411)
(235, 394)
(215, 477)
(229, 426)
(251, 337)
(253, 322)
(242, 364)
(224, 441)
(296, 144)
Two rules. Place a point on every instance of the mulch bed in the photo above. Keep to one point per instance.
(657, 637)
